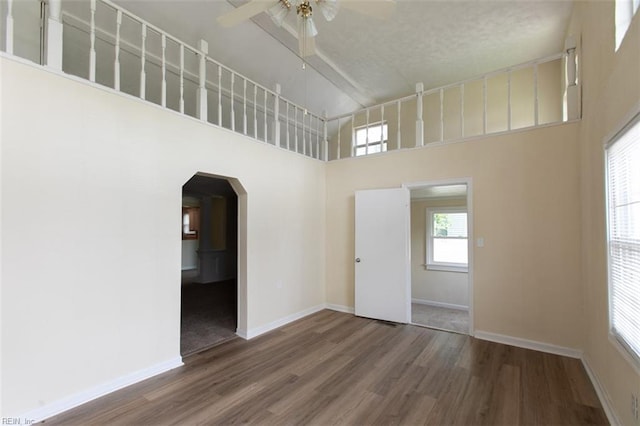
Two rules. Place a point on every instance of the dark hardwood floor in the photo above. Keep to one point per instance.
(334, 368)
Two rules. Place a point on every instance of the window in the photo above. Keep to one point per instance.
(190, 223)
(447, 248)
(625, 10)
(623, 217)
(371, 139)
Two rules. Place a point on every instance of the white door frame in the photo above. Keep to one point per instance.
(458, 181)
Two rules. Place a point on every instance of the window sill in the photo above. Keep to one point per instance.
(624, 353)
(446, 268)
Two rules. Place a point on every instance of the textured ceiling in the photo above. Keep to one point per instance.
(362, 60)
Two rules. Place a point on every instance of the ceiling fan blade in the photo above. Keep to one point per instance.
(380, 9)
(245, 12)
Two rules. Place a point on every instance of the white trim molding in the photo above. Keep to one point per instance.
(257, 331)
(601, 391)
(440, 304)
(528, 344)
(57, 407)
(341, 308)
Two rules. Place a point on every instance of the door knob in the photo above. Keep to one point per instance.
(357, 260)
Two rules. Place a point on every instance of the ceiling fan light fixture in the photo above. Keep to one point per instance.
(329, 8)
(279, 11)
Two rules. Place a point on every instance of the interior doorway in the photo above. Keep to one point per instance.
(209, 270)
(441, 273)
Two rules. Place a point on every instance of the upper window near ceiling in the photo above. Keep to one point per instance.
(370, 139)
(625, 10)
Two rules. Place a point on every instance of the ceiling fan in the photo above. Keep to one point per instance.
(279, 9)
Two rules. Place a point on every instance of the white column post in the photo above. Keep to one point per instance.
(419, 120)
(143, 74)
(9, 33)
(54, 35)
(92, 40)
(116, 62)
(276, 115)
(572, 89)
(203, 50)
(163, 89)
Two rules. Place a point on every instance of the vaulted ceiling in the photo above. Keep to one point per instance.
(362, 60)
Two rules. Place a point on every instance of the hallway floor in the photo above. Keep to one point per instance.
(208, 315)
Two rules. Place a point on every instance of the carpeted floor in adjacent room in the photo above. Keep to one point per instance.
(440, 318)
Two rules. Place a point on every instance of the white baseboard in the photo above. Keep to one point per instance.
(341, 308)
(603, 396)
(257, 331)
(57, 407)
(439, 304)
(528, 344)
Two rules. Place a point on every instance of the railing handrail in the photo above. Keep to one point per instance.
(427, 92)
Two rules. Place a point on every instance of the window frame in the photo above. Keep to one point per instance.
(432, 265)
(383, 142)
(618, 341)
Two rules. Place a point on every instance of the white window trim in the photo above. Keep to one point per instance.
(384, 142)
(442, 266)
(625, 10)
(617, 341)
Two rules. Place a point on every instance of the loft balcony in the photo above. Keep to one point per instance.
(106, 45)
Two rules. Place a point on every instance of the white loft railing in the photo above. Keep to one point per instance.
(540, 92)
(104, 43)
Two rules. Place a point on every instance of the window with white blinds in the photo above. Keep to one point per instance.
(623, 192)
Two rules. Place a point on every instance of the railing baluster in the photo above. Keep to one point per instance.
(276, 115)
(143, 78)
(325, 141)
(116, 64)
(354, 142)
(244, 106)
(382, 139)
(441, 115)
(317, 137)
(255, 111)
(92, 40)
(182, 78)
(509, 116)
(288, 128)
(398, 121)
(535, 95)
(339, 140)
(231, 97)
(484, 105)
(266, 128)
(419, 115)
(9, 29)
(219, 96)
(304, 135)
(366, 134)
(163, 100)
(295, 128)
(462, 111)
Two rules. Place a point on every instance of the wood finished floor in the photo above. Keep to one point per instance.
(334, 368)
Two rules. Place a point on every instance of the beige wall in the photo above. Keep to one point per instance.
(429, 285)
(550, 92)
(526, 206)
(611, 91)
(91, 195)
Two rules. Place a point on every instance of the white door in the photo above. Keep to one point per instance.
(382, 257)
